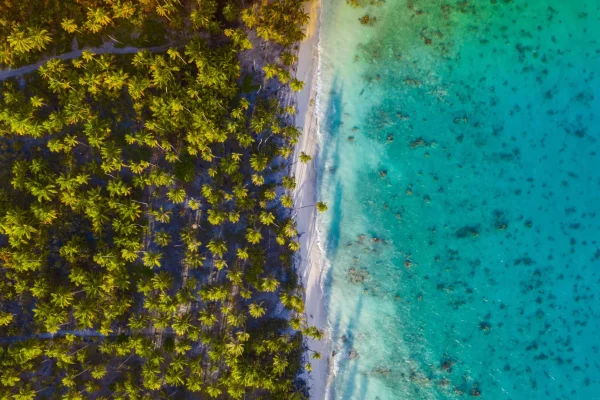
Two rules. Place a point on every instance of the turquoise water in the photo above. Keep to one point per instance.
(459, 159)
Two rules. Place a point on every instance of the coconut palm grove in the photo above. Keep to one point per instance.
(147, 239)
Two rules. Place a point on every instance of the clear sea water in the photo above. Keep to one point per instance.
(459, 159)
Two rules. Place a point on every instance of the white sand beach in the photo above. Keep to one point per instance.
(310, 266)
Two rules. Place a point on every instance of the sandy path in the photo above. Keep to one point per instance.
(108, 47)
(310, 266)
(82, 333)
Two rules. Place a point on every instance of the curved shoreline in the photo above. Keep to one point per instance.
(309, 264)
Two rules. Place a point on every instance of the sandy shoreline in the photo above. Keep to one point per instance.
(310, 262)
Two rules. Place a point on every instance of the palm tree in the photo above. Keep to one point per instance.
(45, 214)
(313, 332)
(296, 85)
(239, 38)
(25, 393)
(258, 180)
(69, 25)
(253, 236)
(41, 191)
(270, 70)
(50, 317)
(152, 259)
(288, 182)
(177, 196)
(194, 383)
(269, 284)
(286, 201)
(24, 40)
(18, 226)
(175, 377)
(129, 209)
(235, 349)
(62, 297)
(279, 365)
(208, 319)
(216, 216)
(162, 281)
(97, 19)
(123, 10)
(256, 310)
(162, 238)
(286, 151)
(161, 320)
(138, 322)
(213, 391)
(182, 324)
(259, 162)
(117, 187)
(93, 284)
(267, 218)
(304, 158)
(294, 246)
(217, 247)
(321, 206)
(161, 215)
(5, 318)
(85, 312)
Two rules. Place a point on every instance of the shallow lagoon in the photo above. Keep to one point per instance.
(459, 160)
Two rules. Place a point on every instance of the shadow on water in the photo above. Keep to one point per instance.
(327, 159)
(344, 350)
(330, 181)
(330, 154)
(348, 348)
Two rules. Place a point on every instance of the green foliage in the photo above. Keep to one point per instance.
(239, 38)
(176, 195)
(304, 158)
(25, 40)
(280, 21)
(296, 85)
(5, 318)
(185, 170)
(321, 206)
(25, 34)
(98, 234)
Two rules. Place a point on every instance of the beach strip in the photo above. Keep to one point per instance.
(310, 262)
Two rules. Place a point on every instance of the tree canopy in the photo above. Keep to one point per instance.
(146, 238)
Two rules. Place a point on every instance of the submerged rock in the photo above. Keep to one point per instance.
(484, 326)
(357, 275)
(412, 82)
(467, 231)
(475, 392)
(381, 370)
(447, 365)
(367, 20)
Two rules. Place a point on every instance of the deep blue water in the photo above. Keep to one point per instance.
(459, 159)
